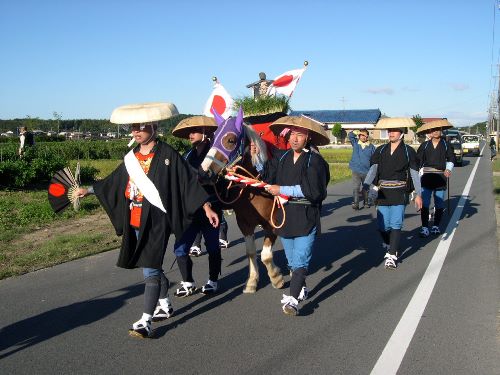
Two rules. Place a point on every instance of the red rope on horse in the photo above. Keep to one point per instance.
(279, 200)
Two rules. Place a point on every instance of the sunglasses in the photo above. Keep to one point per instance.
(138, 127)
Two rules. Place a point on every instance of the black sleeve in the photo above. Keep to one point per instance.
(314, 180)
(420, 154)
(268, 174)
(375, 159)
(412, 155)
(110, 192)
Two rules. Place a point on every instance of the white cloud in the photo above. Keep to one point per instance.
(380, 90)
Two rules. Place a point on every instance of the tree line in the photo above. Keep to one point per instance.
(77, 125)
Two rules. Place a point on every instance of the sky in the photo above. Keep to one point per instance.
(82, 59)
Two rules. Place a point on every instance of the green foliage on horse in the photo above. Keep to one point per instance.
(262, 105)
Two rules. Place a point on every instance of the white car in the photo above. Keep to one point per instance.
(470, 144)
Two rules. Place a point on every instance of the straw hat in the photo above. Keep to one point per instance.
(187, 125)
(316, 131)
(395, 123)
(437, 124)
(142, 113)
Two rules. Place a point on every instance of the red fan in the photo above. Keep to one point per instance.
(62, 189)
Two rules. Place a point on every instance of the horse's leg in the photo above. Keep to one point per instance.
(253, 274)
(267, 258)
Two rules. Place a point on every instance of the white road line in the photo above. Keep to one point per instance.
(392, 356)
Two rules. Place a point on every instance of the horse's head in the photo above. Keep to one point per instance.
(225, 144)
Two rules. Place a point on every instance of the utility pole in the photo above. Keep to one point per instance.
(343, 100)
(497, 107)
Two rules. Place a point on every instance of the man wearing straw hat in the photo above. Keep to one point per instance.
(436, 161)
(302, 175)
(198, 129)
(393, 168)
(152, 194)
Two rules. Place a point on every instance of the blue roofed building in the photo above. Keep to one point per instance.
(349, 119)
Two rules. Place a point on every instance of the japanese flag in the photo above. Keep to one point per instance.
(286, 82)
(220, 100)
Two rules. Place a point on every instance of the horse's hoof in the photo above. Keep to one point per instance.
(279, 284)
(250, 290)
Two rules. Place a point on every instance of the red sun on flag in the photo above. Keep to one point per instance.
(219, 104)
(283, 81)
(57, 190)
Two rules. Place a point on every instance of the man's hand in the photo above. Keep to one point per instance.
(418, 202)
(212, 217)
(81, 192)
(273, 189)
(365, 187)
(447, 173)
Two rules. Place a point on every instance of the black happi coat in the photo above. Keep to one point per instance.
(428, 156)
(194, 159)
(394, 167)
(311, 172)
(180, 193)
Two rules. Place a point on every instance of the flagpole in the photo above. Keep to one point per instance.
(306, 63)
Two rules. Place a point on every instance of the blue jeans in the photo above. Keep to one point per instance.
(298, 250)
(148, 272)
(438, 197)
(390, 217)
(211, 235)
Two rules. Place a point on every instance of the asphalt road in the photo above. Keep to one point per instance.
(73, 318)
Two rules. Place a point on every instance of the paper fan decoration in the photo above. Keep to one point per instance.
(62, 189)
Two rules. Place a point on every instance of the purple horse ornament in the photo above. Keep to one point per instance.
(254, 206)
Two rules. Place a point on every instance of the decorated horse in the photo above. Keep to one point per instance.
(252, 205)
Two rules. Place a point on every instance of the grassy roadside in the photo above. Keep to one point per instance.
(32, 236)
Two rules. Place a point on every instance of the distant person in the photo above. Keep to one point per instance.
(27, 140)
(393, 166)
(362, 151)
(493, 148)
(436, 160)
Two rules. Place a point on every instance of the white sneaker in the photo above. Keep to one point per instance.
(223, 243)
(195, 251)
(186, 289)
(435, 230)
(210, 287)
(163, 311)
(290, 305)
(424, 232)
(304, 293)
(390, 261)
(141, 328)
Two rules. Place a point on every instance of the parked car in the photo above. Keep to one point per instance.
(470, 144)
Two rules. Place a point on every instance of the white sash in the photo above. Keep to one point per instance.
(145, 185)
